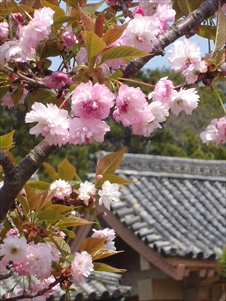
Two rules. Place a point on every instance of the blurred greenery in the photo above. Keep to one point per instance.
(179, 136)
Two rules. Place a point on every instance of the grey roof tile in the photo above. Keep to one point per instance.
(180, 203)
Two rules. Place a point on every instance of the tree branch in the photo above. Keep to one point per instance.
(177, 30)
(17, 176)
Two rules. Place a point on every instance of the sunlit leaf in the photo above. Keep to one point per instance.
(73, 222)
(106, 268)
(91, 8)
(109, 163)
(6, 141)
(51, 171)
(31, 197)
(60, 208)
(206, 31)
(99, 25)
(61, 244)
(49, 215)
(23, 202)
(64, 19)
(87, 21)
(221, 31)
(103, 253)
(13, 8)
(66, 170)
(91, 245)
(40, 185)
(93, 44)
(122, 52)
(113, 34)
(43, 198)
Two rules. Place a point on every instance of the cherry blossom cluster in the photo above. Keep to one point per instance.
(36, 260)
(23, 47)
(215, 131)
(90, 104)
(108, 194)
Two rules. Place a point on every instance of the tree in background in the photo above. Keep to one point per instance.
(100, 50)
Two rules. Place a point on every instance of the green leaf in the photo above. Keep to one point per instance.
(206, 31)
(16, 96)
(40, 185)
(92, 8)
(221, 32)
(109, 163)
(73, 222)
(113, 34)
(49, 215)
(103, 253)
(51, 171)
(61, 244)
(64, 19)
(6, 141)
(122, 52)
(42, 95)
(69, 233)
(91, 245)
(31, 197)
(61, 208)
(106, 268)
(66, 170)
(93, 44)
(113, 179)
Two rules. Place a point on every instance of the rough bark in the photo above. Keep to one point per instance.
(17, 176)
(180, 28)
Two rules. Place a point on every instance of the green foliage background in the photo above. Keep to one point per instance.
(179, 136)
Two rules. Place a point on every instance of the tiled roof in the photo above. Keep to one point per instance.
(99, 285)
(176, 206)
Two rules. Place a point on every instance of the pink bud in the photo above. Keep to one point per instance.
(99, 177)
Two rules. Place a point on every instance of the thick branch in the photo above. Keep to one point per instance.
(183, 27)
(17, 176)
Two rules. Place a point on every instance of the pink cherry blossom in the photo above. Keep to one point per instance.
(62, 188)
(13, 50)
(13, 248)
(68, 36)
(56, 80)
(150, 6)
(81, 266)
(86, 190)
(38, 260)
(108, 234)
(109, 194)
(163, 90)
(215, 131)
(140, 33)
(37, 29)
(12, 232)
(86, 131)
(7, 98)
(130, 105)
(138, 10)
(82, 56)
(184, 100)
(18, 18)
(154, 113)
(164, 14)
(185, 57)
(4, 31)
(52, 123)
(92, 101)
